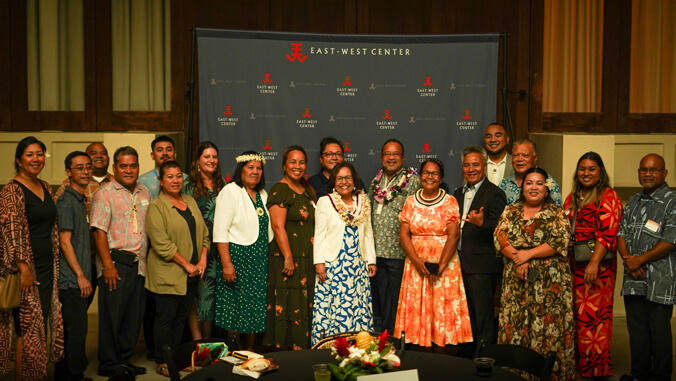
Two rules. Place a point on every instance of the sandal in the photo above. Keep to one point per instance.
(162, 370)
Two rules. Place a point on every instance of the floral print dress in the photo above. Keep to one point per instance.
(205, 298)
(538, 315)
(432, 312)
(289, 299)
(594, 305)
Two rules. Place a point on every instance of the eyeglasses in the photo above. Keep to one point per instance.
(340, 179)
(393, 154)
(332, 154)
(653, 171)
(82, 168)
(433, 174)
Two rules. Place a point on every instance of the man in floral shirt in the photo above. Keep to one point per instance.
(388, 192)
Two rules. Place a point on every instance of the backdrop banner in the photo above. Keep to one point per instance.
(265, 91)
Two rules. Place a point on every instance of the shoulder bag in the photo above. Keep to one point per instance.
(584, 250)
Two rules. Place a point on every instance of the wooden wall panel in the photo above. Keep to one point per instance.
(5, 73)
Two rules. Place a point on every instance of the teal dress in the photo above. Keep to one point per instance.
(205, 298)
(240, 305)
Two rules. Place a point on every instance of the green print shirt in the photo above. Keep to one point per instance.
(385, 217)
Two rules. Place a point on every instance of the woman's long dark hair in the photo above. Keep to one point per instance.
(594, 194)
(199, 190)
(285, 156)
(21, 148)
(538, 170)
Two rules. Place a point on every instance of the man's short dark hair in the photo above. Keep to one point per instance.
(162, 138)
(124, 151)
(329, 140)
(69, 159)
(393, 140)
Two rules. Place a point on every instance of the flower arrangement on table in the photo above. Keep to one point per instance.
(366, 356)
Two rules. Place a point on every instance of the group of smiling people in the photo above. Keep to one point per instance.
(300, 262)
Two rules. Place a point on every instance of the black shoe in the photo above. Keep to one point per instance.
(106, 372)
(151, 356)
(137, 370)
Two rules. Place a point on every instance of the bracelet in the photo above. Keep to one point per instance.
(111, 266)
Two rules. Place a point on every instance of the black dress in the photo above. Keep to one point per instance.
(40, 215)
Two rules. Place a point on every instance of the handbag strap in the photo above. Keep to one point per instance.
(574, 223)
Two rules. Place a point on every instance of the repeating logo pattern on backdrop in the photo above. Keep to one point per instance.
(259, 91)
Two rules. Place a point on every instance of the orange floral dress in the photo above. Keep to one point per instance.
(432, 312)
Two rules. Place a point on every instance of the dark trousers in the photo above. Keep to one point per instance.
(74, 309)
(649, 326)
(120, 317)
(94, 281)
(386, 285)
(149, 323)
(171, 315)
(480, 290)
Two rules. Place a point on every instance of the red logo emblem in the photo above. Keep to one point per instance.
(307, 114)
(427, 149)
(306, 176)
(227, 176)
(227, 111)
(427, 81)
(296, 52)
(387, 115)
(347, 82)
(267, 145)
(347, 147)
(267, 78)
(467, 115)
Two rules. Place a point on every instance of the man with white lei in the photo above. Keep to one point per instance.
(389, 189)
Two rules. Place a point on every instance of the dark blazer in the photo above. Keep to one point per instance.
(477, 253)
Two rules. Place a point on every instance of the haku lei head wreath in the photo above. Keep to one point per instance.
(250, 157)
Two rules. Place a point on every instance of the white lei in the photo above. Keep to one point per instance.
(356, 218)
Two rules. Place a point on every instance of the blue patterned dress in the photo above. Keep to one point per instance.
(343, 302)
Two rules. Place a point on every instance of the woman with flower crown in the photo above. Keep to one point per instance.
(536, 305)
(242, 232)
(344, 257)
(432, 302)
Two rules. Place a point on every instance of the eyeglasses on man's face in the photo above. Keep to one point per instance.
(332, 154)
(653, 171)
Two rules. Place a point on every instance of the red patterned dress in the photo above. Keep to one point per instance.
(594, 305)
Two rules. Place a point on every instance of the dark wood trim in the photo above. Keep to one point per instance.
(5, 67)
(623, 12)
(363, 16)
(350, 18)
(142, 121)
(537, 39)
(573, 121)
(104, 65)
(520, 69)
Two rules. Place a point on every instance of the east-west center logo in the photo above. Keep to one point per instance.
(296, 55)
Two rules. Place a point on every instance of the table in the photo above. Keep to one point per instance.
(297, 365)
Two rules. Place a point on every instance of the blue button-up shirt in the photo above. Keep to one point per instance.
(646, 221)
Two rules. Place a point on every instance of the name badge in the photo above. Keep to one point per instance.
(652, 226)
(144, 202)
(379, 208)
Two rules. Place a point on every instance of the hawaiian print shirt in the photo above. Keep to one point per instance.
(513, 190)
(122, 215)
(385, 218)
(646, 221)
